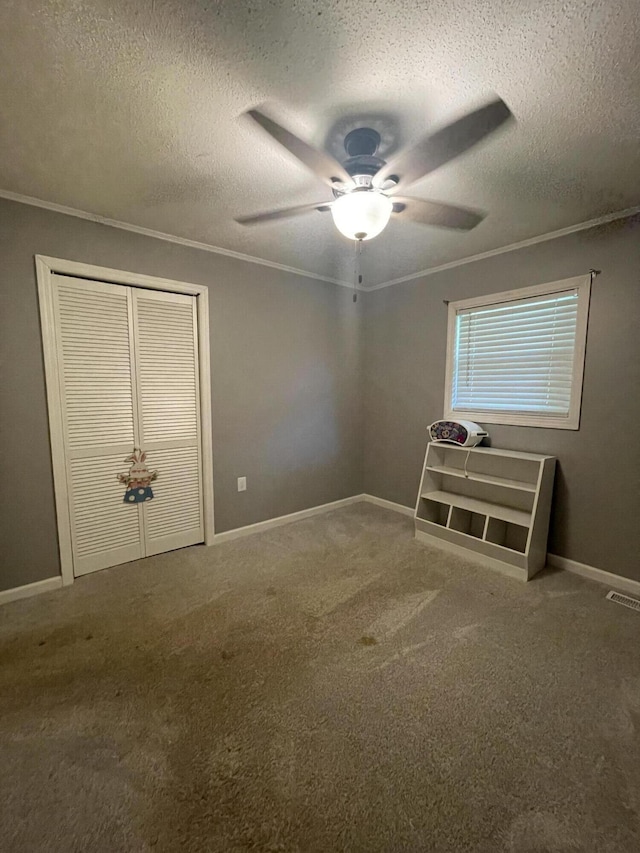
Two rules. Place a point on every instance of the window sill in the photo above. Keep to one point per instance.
(514, 419)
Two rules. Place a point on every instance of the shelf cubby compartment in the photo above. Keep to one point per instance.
(433, 511)
(508, 535)
(465, 521)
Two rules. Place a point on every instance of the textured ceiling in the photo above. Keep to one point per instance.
(131, 109)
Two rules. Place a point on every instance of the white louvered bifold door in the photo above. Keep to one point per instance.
(97, 386)
(167, 376)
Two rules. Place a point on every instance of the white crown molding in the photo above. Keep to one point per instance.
(512, 247)
(160, 235)
(217, 250)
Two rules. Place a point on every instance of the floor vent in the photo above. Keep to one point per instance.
(619, 598)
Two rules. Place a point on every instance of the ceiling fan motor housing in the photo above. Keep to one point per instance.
(361, 145)
(361, 140)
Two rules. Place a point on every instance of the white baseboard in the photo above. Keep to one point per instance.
(56, 582)
(609, 578)
(372, 499)
(278, 521)
(26, 591)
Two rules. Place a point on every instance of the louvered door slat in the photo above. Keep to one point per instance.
(165, 327)
(167, 376)
(97, 384)
(85, 361)
(175, 514)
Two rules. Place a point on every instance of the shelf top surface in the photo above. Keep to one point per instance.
(493, 451)
(481, 477)
(504, 513)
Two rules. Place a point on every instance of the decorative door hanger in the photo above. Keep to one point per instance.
(138, 480)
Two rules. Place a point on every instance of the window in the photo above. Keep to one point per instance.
(518, 357)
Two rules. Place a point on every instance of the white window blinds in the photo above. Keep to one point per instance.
(516, 356)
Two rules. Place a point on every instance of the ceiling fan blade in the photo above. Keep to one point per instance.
(436, 213)
(319, 162)
(441, 147)
(284, 213)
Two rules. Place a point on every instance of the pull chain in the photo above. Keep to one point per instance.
(357, 278)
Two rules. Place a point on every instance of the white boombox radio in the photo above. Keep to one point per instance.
(462, 433)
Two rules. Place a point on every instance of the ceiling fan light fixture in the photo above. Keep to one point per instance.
(361, 215)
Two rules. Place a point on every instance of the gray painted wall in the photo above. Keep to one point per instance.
(299, 376)
(285, 384)
(596, 511)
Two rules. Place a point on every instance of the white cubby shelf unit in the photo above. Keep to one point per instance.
(489, 504)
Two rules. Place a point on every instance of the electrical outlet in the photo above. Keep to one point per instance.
(242, 484)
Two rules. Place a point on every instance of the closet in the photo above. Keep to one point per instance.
(128, 377)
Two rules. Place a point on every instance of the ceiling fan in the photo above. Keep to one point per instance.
(364, 187)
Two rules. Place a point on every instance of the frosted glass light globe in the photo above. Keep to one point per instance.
(361, 215)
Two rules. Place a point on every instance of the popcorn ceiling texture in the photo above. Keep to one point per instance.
(133, 111)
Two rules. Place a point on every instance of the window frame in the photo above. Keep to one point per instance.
(582, 284)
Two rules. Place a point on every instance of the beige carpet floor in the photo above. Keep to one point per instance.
(327, 686)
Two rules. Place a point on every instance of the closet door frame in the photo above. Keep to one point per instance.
(46, 267)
